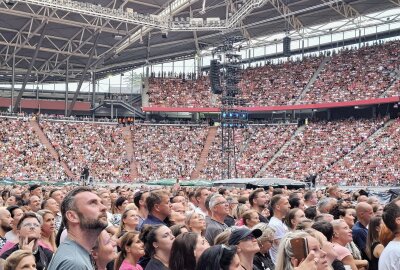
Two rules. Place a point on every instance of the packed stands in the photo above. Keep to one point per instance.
(351, 74)
(356, 74)
(176, 92)
(320, 145)
(99, 147)
(376, 162)
(277, 84)
(22, 156)
(254, 147)
(167, 151)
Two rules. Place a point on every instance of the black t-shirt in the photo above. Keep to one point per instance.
(155, 264)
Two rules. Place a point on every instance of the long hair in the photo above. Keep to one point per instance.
(290, 216)
(52, 237)
(148, 237)
(285, 251)
(121, 227)
(182, 252)
(126, 240)
(216, 257)
(373, 235)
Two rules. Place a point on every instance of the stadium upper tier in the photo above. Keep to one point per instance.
(352, 74)
(357, 152)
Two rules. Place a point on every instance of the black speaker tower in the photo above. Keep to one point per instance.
(286, 47)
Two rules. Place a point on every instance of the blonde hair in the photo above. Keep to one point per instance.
(15, 258)
(285, 251)
(52, 237)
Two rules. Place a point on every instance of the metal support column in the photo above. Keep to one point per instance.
(93, 91)
(28, 73)
(78, 89)
(66, 89)
(12, 81)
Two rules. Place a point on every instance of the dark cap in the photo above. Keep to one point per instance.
(241, 233)
(33, 187)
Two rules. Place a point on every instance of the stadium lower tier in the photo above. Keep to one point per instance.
(347, 152)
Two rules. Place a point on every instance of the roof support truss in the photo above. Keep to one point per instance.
(88, 65)
(344, 9)
(28, 73)
(396, 2)
(285, 11)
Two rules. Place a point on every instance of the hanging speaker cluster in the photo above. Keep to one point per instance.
(214, 77)
(286, 47)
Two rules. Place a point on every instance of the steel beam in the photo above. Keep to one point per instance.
(396, 2)
(88, 64)
(287, 14)
(28, 73)
(344, 9)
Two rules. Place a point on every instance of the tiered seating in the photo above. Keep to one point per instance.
(356, 74)
(99, 147)
(163, 151)
(377, 162)
(320, 145)
(22, 156)
(254, 147)
(277, 84)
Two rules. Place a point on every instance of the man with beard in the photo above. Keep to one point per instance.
(5, 225)
(280, 207)
(84, 217)
(258, 200)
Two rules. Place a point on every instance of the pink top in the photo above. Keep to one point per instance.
(8, 245)
(127, 266)
(45, 245)
(341, 251)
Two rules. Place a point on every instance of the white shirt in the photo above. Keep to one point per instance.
(280, 231)
(390, 257)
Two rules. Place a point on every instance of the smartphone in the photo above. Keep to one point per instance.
(300, 248)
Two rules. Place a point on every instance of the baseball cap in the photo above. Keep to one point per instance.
(241, 233)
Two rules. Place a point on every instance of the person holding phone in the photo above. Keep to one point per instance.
(300, 251)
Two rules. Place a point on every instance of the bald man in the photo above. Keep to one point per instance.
(5, 224)
(364, 214)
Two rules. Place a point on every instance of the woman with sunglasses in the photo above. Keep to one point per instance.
(246, 242)
(219, 257)
(262, 259)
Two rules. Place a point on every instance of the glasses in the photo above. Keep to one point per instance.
(31, 225)
(248, 238)
(225, 202)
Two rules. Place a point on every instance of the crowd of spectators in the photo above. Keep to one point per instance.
(323, 148)
(374, 163)
(22, 155)
(350, 74)
(167, 151)
(173, 92)
(356, 74)
(175, 228)
(277, 84)
(254, 146)
(100, 148)
(319, 145)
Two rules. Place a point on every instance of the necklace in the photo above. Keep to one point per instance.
(243, 267)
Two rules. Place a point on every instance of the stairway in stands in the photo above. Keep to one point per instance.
(127, 135)
(313, 79)
(45, 141)
(212, 133)
(360, 145)
(280, 151)
(396, 79)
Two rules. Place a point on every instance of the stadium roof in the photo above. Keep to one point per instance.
(110, 36)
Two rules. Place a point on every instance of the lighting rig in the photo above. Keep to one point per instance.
(233, 115)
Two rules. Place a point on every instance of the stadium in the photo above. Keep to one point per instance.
(134, 91)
